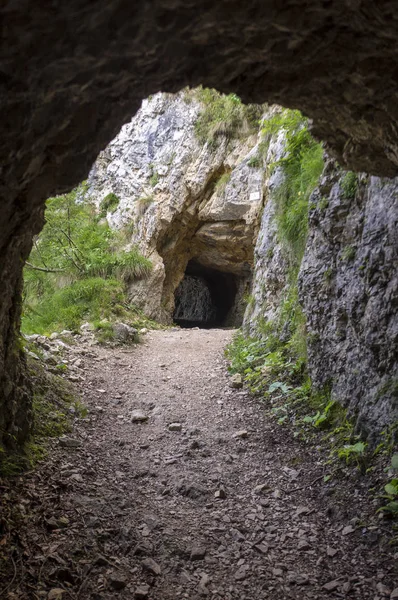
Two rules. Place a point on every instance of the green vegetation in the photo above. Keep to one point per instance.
(54, 407)
(279, 355)
(274, 364)
(144, 202)
(109, 204)
(154, 178)
(254, 162)
(302, 167)
(77, 268)
(224, 117)
(221, 182)
(328, 275)
(66, 308)
(275, 371)
(349, 185)
(323, 203)
(353, 453)
(391, 489)
(348, 253)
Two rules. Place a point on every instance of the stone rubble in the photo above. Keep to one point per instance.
(155, 516)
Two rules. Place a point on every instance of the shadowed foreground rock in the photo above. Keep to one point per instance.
(349, 291)
(72, 74)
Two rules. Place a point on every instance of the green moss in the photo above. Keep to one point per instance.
(109, 204)
(348, 253)
(254, 162)
(328, 275)
(349, 185)
(224, 117)
(389, 388)
(154, 178)
(221, 182)
(55, 404)
(323, 204)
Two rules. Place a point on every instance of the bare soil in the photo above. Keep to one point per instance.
(226, 505)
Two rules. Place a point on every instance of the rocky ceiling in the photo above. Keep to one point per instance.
(71, 73)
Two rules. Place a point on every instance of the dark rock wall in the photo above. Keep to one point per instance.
(15, 390)
(71, 73)
(349, 291)
(193, 301)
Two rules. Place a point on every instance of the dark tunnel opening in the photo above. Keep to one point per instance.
(205, 297)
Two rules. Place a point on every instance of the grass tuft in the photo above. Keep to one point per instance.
(78, 267)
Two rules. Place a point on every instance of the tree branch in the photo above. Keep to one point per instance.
(28, 264)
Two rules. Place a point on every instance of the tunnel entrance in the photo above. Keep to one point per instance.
(205, 297)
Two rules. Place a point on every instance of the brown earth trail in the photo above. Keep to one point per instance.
(180, 487)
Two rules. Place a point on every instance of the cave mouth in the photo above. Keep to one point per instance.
(204, 297)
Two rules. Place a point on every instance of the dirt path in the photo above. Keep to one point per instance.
(140, 511)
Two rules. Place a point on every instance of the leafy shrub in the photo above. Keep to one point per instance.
(352, 452)
(254, 162)
(349, 185)
(62, 276)
(224, 117)
(302, 166)
(109, 204)
(391, 489)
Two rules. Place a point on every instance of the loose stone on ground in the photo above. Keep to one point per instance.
(170, 494)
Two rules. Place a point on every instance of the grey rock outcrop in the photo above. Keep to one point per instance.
(270, 271)
(187, 201)
(349, 291)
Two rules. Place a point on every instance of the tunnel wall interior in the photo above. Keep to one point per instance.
(205, 297)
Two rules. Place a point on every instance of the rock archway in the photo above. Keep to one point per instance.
(72, 74)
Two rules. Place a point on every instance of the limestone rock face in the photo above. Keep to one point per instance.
(349, 291)
(348, 288)
(183, 200)
(270, 271)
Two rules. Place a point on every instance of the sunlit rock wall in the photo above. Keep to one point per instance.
(181, 198)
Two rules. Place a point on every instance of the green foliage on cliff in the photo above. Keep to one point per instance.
(301, 166)
(77, 268)
(349, 185)
(109, 204)
(224, 117)
(274, 363)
